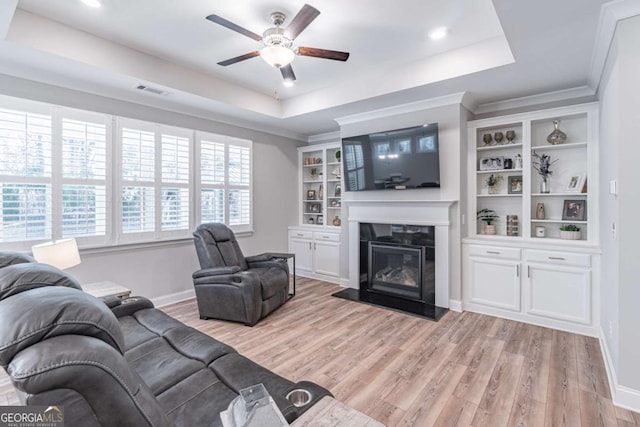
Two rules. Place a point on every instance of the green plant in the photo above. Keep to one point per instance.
(493, 180)
(569, 227)
(487, 215)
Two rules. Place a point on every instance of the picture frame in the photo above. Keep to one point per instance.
(311, 194)
(491, 163)
(576, 182)
(574, 210)
(337, 191)
(313, 207)
(320, 220)
(335, 203)
(514, 184)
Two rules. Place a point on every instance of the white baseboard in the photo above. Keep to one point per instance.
(173, 298)
(455, 305)
(622, 396)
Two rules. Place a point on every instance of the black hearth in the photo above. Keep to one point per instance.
(397, 269)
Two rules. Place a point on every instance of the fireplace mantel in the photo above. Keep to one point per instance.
(414, 212)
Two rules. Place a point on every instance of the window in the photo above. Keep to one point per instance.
(107, 180)
(154, 181)
(225, 181)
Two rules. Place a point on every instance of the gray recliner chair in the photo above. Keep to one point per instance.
(230, 286)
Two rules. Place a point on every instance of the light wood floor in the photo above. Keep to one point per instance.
(468, 369)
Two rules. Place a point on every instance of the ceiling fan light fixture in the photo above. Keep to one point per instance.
(288, 83)
(277, 56)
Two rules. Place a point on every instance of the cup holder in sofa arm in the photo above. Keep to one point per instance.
(299, 397)
(302, 396)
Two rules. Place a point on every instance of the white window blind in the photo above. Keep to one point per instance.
(175, 182)
(84, 175)
(225, 181)
(137, 180)
(25, 176)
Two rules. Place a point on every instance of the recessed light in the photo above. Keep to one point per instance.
(288, 83)
(92, 3)
(438, 33)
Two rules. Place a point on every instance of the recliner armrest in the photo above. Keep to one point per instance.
(216, 271)
(261, 257)
(130, 305)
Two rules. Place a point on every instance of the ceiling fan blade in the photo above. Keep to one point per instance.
(239, 58)
(287, 73)
(301, 21)
(237, 28)
(323, 53)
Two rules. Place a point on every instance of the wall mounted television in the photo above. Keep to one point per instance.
(397, 159)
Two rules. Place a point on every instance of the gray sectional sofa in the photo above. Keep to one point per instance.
(118, 363)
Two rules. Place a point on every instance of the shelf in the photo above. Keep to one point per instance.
(313, 200)
(317, 181)
(559, 146)
(333, 180)
(557, 221)
(333, 163)
(558, 194)
(498, 195)
(499, 171)
(498, 147)
(335, 207)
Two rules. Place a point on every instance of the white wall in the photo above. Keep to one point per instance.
(620, 151)
(450, 122)
(161, 271)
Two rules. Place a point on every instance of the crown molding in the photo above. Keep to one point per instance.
(610, 14)
(456, 98)
(537, 99)
(324, 137)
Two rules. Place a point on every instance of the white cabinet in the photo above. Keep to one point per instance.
(317, 253)
(496, 277)
(545, 287)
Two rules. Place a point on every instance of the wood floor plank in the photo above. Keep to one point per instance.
(563, 395)
(495, 407)
(596, 410)
(407, 371)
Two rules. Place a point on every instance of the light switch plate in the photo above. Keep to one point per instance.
(613, 187)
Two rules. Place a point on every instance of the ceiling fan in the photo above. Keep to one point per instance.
(278, 50)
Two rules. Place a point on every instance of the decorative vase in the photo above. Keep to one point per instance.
(511, 135)
(540, 211)
(498, 137)
(544, 186)
(556, 136)
(490, 229)
(487, 138)
(570, 235)
(540, 231)
(338, 155)
(337, 221)
(492, 189)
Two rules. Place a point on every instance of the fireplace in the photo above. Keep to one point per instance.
(397, 268)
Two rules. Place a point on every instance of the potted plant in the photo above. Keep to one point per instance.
(542, 166)
(492, 182)
(570, 232)
(488, 216)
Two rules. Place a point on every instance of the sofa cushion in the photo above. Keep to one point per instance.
(22, 277)
(54, 311)
(8, 258)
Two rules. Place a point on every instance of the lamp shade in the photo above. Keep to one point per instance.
(277, 56)
(60, 253)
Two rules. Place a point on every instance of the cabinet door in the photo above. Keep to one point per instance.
(559, 292)
(495, 282)
(303, 250)
(327, 258)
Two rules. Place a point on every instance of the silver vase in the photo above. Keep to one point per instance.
(556, 136)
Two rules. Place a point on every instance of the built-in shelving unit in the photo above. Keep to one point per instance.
(321, 189)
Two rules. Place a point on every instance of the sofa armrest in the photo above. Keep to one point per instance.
(216, 271)
(129, 306)
(267, 260)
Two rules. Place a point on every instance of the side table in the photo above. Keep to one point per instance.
(286, 256)
(106, 289)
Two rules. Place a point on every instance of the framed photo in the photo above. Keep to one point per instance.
(320, 220)
(576, 182)
(335, 203)
(515, 184)
(575, 210)
(311, 194)
(491, 163)
(338, 191)
(313, 207)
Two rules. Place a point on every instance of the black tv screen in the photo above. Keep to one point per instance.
(392, 160)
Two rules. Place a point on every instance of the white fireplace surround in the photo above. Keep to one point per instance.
(410, 212)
